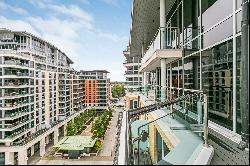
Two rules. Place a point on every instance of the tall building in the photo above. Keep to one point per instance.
(132, 64)
(39, 94)
(96, 88)
(195, 53)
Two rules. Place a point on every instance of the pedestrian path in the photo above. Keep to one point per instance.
(109, 139)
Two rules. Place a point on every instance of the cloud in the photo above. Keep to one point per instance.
(4, 6)
(112, 2)
(113, 37)
(69, 29)
(84, 1)
(71, 10)
(17, 25)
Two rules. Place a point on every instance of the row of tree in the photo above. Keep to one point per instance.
(77, 127)
(101, 124)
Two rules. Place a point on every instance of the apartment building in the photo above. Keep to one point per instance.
(190, 47)
(132, 75)
(77, 93)
(96, 87)
(39, 94)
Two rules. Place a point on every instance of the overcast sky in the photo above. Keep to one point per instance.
(93, 33)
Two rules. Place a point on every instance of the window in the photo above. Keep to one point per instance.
(217, 65)
(135, 104)
(131, 104)
(2, 158)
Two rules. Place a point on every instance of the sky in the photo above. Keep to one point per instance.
(93, 33)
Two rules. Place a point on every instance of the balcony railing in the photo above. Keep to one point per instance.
(15, 84)
(189, 109)
(16, 63)
(165, 38)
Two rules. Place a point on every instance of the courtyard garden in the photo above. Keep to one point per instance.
(80, 123)
(101, 124)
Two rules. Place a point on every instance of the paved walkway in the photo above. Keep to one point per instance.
(109, 139)
(87, 131)
(75, 162)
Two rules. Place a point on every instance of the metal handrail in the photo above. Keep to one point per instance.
(139, 111)
(151, 108)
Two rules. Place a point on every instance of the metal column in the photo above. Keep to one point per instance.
(163, 80)
(163, 23)
(244, 71)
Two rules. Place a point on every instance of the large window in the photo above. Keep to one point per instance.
(2, 158)
(217, 73)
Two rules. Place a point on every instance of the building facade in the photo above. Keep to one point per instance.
(96, 88)
(132, 75)
(193, 46)
(39, 94)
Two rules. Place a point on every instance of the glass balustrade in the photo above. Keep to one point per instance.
(186, 113)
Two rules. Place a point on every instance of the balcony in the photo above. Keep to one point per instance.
(15, 84)
(177, 127)
(10, 94)
(16, 63)
(131, 73)
(165, 44)
(15, 105)
(131, 63)
(17, 124)
(18, 133)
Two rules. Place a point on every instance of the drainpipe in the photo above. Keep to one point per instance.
(244, 75)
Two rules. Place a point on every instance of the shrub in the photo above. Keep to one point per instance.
(98, 145)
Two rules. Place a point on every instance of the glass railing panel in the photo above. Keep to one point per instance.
(187, 109)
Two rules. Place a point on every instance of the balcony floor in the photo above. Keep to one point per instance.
(155, 60)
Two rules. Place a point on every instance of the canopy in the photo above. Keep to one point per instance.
(76, 143)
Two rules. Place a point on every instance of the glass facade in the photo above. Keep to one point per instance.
(162, 149)
(210, 67)
(217, 75)
(2, 158)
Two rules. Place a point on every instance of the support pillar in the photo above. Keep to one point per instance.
(9, 158)
(244, 72)
(144, 81)
(56, 135)
(42, 147)
(65, 129)
(32, 150)
(22, 157)
(163, 80)
(163, 23)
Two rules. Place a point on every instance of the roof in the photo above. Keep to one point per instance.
(30, 34)
(145, 23)
(86, 71)
(76, 143)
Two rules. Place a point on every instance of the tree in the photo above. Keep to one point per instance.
(118, 91)
(71, 129)
(101, 123)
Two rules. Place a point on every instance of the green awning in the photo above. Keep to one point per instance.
(76, 143)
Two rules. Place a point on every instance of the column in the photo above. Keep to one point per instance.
(163, 80)
(144, 81)
(9, 158)
(42, 147)
(56, 135)
(65, 129)
(163, 23)
(157, 83)
(22, 157)
(47, 140)
(32, 150)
